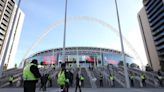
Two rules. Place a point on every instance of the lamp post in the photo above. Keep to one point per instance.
(64, 35)
(122, 48)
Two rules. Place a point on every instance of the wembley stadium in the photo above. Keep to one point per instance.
(83, 56)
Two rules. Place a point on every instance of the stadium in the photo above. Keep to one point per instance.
(83, 56)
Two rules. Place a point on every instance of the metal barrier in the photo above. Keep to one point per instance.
(92, 78)
(17, 77)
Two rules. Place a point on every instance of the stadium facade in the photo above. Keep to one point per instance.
(83, 56)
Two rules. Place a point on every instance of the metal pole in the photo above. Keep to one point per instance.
(11, 31)
(64, 36)
(77, 57)
(122, 47)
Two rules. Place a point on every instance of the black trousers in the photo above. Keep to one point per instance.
(43, 86)
(101, 83)
(161, 83)
(132, 82)
(29, 86)
(143, 83)
(63, 87)
(50, 81)
(78, 86)
(11, 83)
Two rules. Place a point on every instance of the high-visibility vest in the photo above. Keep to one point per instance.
(27, 74)
(49, 77)
(131, 76)
(142, 77)
(101, 77)
(61, 78)
(160, 77)
(111, 77)
(11, 78)
(81, 78)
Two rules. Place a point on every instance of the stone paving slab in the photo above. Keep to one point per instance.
(91, 90)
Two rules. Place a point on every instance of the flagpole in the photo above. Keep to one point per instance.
(122, 47)
(64, 35)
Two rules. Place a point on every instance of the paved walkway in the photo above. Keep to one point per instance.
(91, 90)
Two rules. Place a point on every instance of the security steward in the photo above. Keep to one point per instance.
(111, 78)
(50, 80)
(131, 77)
(82, 80)
(62, 78)
(31, 75)
(160, 79)
(143, 79)
(11, 78)
(101, 80)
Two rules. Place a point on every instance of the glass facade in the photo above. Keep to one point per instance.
(83, 56)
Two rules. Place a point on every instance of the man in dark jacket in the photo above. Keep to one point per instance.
(70, 75)
(78, 82)
(31, 75)
(44, 79)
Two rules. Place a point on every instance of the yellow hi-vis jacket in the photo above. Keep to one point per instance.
(111, 77)
(27, 74)
(61, 78)
(81, 78)
(142, 76)
(11, 78)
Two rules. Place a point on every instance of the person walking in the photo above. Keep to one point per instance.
(70, 78)
(11, 78)
(131, 77)
(62, 78)
(44, 79)
(31, 75)
(50, 80)
(78, 82)
(101, 80)
(111, 79)
(67, 82)
(143, 79)
(160, 79)
(82, 80)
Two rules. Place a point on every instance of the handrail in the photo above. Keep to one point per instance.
(91, 77)
(17, 77)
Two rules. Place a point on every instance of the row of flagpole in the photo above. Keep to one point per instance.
(121, 41)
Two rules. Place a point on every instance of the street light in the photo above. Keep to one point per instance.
(122, 47)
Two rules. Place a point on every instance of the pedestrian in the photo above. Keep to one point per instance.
(82, 80)
(31, 75)
(11, 78)
(70, 78)
(53, 66)
(131, 77)
(143, 79)
(67, 82)
(78, 82)
(44, 79)
(62, 78)
(111, 80)
(101, 80)
(160, 79)
(16, 66)
(50, 80)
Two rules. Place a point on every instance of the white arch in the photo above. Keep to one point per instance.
(87, 18)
